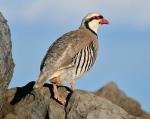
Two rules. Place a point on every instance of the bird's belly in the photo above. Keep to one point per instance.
(67, 75)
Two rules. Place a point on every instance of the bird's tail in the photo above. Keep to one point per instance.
(41, 80)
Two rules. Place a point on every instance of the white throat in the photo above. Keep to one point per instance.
(94, 25)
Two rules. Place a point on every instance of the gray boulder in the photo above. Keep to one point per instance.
(26, 103)
(6, 61)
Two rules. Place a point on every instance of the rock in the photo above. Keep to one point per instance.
(26, 103)
(146, 116)
(6, 61)
(118, 97)
(85, 105)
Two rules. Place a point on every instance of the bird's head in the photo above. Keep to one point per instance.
(93, 21)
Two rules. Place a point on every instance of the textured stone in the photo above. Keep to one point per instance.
(6, 61)
(118, 97)
(85, 105)
(26, 103)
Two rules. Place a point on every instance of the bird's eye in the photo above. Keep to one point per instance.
(101, 17)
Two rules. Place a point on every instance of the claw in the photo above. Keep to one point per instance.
(56, 95)
(61, 100)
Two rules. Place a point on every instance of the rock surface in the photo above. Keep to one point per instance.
(26, 103)
(86, 105)
(6, 61)
(118, 97)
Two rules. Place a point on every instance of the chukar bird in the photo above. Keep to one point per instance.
(71, 55)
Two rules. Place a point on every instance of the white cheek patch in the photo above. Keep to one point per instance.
(94, 25)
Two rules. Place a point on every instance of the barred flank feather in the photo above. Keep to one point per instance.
(84, 59)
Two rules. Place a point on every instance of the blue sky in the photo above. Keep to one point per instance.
(124, 44)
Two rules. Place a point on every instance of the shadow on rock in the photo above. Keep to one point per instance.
(22, 92)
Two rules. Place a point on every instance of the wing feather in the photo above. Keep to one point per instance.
(61, 53)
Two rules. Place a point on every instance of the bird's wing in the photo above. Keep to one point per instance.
(79, 40)
(60, 55)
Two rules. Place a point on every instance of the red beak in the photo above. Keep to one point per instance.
(104, 21)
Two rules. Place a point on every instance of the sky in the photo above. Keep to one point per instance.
(123, 56)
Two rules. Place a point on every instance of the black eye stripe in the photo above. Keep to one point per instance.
(95, 17)
(101, 17)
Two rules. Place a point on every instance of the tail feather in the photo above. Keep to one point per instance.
(41, 80)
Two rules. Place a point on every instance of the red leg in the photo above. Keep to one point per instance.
(55, 90)
(56, 94)
(72, 87)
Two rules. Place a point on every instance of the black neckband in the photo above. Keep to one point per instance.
(87, 26)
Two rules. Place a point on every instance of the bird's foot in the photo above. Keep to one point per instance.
(60, 99)
(57, 96)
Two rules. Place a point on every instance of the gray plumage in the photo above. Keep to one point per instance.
(67, 55)
(71, 55)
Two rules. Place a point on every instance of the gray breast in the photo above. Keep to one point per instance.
(84, 60)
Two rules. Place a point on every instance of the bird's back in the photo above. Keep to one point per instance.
(63, 58)
(64, 49)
